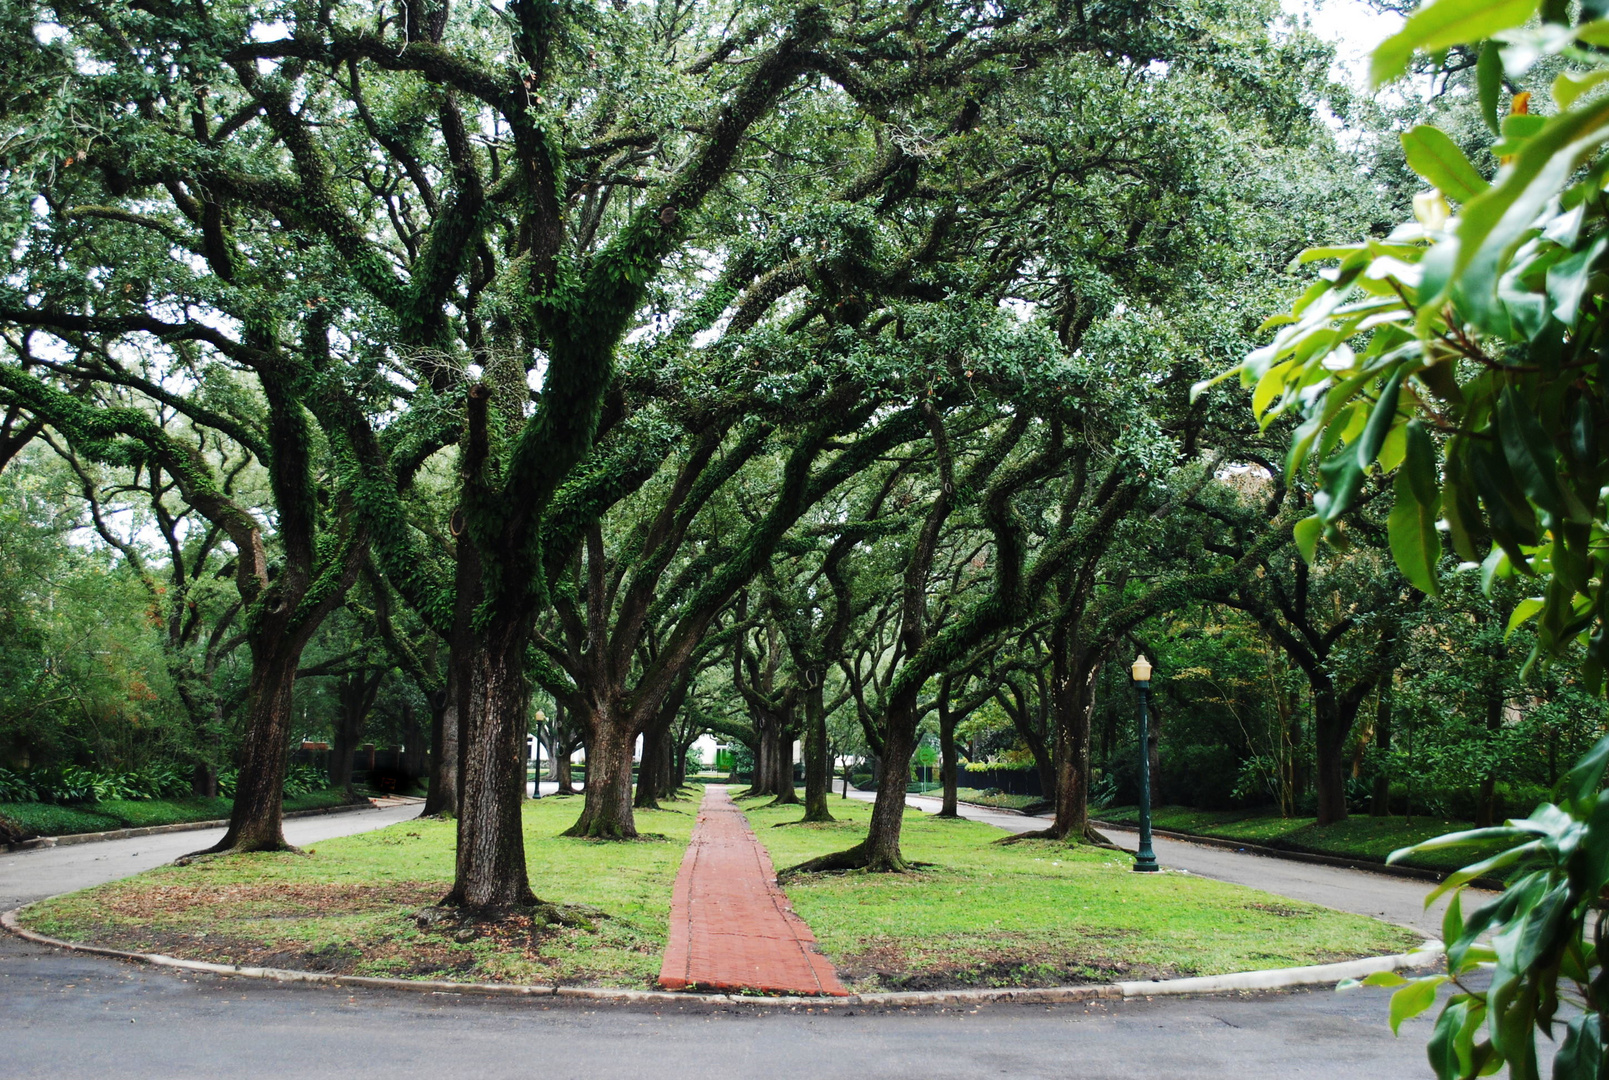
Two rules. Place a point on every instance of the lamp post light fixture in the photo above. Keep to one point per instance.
(1145, 858)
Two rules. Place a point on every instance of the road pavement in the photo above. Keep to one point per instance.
(65, 1015)
(26, 876)
(69, 1015)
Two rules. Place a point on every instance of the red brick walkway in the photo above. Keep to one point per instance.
(730, 926)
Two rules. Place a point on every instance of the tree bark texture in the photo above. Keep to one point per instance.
(607, 813)
(256, 819)
(818, 769)
(490, 873)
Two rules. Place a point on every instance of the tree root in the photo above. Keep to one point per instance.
(462, 921)
(1091, 837)
(206, 855)
(807, 820)
(837, 862)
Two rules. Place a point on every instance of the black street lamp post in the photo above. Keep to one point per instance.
(1145, 858)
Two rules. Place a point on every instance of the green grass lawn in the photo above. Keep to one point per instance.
(48, 819)
(1358, 837)
(348, 905)
(1038, 913)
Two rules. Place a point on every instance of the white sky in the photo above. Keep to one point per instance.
(1353, 27)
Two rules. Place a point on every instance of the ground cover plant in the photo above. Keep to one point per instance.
(1000, 799)
(352, 906)
(1038, 913)
(1358, 837)
(50, 819)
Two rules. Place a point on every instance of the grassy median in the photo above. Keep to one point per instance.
(1038, 913)
(1031, 914)
(349, 906)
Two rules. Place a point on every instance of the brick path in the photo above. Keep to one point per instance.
(730, 926)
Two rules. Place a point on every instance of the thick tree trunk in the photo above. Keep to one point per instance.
(348, 730)
(1380, 798)
(649, 778)
(1486, 810)
(818, 769)
(607, 813)
(782, 767)
(256, 821)
(949, 769)
(564, 770)
(1331, 724)
(1073, 704)
(441, 799)
(888, 812)
(765, 757)
(490, 873)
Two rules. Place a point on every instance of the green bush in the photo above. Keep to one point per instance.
(48, 819)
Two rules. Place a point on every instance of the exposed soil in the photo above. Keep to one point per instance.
(11, 832)
(400, 933)
(1016, 961)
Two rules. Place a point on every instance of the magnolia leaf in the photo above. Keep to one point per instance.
(1413, 999)
(1307, 533)
(1444, 23)
(1437, 158)
(1524, 611)
(1493, 221)
(1489, 79)
(1415, 543)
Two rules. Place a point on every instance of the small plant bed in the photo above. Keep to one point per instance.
(1367, 839)
(365, 905)
(999, 799)
(1039, 913)
(51, 819)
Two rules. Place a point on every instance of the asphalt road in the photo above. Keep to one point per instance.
(64, 1015)
(1394, 899)
(26, 876)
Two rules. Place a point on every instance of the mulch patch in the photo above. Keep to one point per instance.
(1014, 961)
(403, 935)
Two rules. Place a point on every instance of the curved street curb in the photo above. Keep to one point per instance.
(1368, 866)
(1276, 979)
(37, 843)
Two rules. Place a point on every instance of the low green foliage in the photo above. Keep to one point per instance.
(1040, 913)
(999, 799)
(1507, 958)
(1358, 837)
(348, 905)
(48, 819)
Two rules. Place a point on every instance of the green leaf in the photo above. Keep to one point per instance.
(1583, 779)
(1438, 160)
(1530, 453)
(1580, 1055)
(1413, 999)
(1567, 279)
(1420, 462)
(1307, 533)
(1524, 610)
(1452, 922)
(1380, 421)
(1411, 528)
(1384, 978)
(1489, 79)
(1572, 84)
(1490, 224)
(1444, 23)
